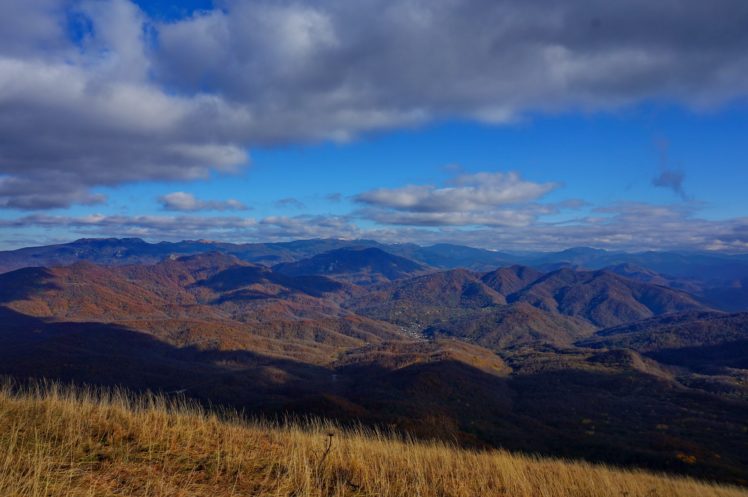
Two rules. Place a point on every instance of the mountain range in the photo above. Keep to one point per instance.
(545, 353)
(720, 279)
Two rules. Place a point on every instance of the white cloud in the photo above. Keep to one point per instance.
(495, 218)
(187, 202)
(488, 199)
(467, 192)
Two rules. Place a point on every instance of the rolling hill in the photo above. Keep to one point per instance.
(603, 298)
(206, 298)
(702, 340)
(417, 302)
(508, 327)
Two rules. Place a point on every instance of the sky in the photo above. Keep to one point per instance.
(502, 124)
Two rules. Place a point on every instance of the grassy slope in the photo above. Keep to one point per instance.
(63, 443)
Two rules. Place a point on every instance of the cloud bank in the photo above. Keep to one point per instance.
(626, 226)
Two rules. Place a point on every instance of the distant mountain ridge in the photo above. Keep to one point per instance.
(714, 278)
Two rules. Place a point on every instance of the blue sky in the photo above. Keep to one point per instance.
(599, 158)
(575, 125)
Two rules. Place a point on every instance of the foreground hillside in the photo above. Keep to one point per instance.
(57, 442)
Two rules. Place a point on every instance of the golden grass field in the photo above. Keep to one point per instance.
(65, 442)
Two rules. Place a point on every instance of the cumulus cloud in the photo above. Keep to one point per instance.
(75, 115)
(29, 193)
(187, 202)
(110, 105)
(468, 192)
(489, 199)
(378, 63)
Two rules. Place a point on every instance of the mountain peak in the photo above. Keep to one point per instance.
(360, 265)
(508, 280)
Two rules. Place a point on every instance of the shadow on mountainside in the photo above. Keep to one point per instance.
(108, 355)
(23, 283)
(616, 416)
(629, 418)
(706, 358)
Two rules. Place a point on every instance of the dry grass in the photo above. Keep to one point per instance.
(56, 441)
